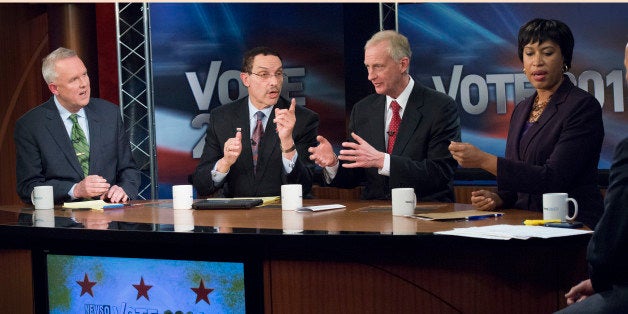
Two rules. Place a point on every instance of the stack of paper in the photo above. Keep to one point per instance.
(96, 204)
(507, 232)
(319, 208)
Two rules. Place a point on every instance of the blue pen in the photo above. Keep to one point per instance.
(111, 206)
(483, 216)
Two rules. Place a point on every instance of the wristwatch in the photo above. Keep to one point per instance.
(294, 146)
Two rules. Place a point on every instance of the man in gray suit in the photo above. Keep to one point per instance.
(399, 135)
(74, 143)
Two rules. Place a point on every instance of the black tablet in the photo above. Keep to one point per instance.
(237, 203)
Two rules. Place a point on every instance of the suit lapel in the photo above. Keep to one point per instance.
(241, 119)
(410, 120)
(95, 137)
(57, 130)
(532, 132)
(518, 121)
(269, 142)
(375, 126)
(547, 116)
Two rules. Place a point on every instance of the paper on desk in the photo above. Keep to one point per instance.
(319, 208)
(96, 204)
(507, 232)
(265, 200)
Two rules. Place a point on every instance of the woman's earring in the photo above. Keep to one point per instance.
(565, 68)
(524, 70)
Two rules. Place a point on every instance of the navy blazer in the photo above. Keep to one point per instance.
(420, 158)
(45, 155)
(607, 253)
(241, 181)
(559, 153)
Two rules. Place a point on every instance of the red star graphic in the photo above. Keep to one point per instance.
(201, 292)
(142, 289)
(86, 286)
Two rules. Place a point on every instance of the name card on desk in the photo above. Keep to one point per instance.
(319, 208)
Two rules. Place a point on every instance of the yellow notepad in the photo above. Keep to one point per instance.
(95, 204)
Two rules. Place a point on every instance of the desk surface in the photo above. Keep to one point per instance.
(359, 260)
(365, 217)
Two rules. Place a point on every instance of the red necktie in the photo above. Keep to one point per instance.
(393, 127)
(258, 132)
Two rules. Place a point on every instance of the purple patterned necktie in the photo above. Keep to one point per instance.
(258, 132)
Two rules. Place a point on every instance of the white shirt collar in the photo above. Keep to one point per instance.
(65, 114)
(402, 100)
(253, 110)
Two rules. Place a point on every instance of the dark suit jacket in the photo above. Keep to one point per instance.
(240, 181)
(608, 248)
(45, 155)
(420, 158)
(559, 153)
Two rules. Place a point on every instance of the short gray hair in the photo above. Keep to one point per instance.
(399, 45)
(48, 63)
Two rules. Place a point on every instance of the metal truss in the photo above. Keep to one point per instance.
(135, 81)
(388, 18)
(134, 77)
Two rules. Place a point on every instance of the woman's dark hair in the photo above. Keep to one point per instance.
(541, 30)
(247, 60)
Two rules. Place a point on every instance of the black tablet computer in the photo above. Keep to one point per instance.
(236, 203)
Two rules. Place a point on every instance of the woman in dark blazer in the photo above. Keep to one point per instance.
(555, 136)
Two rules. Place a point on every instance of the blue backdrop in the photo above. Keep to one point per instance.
(470, 52)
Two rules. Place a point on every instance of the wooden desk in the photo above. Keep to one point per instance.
(358, 260)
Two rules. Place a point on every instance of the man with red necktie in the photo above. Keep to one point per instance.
(400, 134)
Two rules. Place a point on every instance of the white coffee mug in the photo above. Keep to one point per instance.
(42, 197)
(183, 220)
(291, 196)
(44, 218)
(556, 207)
(403, 201)
(182, 197)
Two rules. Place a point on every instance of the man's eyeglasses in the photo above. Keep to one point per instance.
(265, 75)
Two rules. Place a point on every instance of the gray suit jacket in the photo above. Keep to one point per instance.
(241, 182)
(45, 155)
(420, 158)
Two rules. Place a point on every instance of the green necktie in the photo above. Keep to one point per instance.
(79, 141)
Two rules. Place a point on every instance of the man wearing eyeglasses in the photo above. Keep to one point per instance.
(400, 134)
(259, 142)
